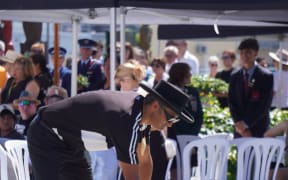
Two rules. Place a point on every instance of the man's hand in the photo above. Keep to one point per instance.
(145, 160)
(240, 127)
(246, 133)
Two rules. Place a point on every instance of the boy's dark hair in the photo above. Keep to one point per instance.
(249, 43)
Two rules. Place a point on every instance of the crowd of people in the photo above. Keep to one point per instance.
(27, 92)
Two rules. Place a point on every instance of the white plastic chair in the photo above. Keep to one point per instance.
(182, 140)
(17, 150)
(171, 150)
(212, 155)
(3, 164)
(254, 157)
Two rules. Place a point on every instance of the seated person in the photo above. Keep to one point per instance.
(279, 130)
(55, 94)
(27, 105)
(7, 123)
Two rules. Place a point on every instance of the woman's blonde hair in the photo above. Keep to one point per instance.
(26, 66)
(131, 68)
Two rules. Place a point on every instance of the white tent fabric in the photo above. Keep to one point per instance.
(151, 16)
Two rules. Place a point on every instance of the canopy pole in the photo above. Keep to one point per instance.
(75, 26)
(112, 46)
(123, 12)
(56, 55)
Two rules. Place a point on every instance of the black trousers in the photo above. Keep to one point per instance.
(52, 158)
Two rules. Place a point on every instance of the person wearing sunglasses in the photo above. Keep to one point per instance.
(213, 63)
(55, 94)
(158, 67)
(180, 76)
(123, 117)
(228, 58)
(27, 105)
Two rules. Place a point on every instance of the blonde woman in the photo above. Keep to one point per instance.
(129, 75)
(22, 73)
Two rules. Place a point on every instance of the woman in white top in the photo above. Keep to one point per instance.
(280, 88)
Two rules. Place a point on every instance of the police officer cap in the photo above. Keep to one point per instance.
(62, 51)
(86, 43)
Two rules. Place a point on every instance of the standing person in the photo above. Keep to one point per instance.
(170, 54)
(158, 67)
(213, 64)
(64, 72)
(228, 58)
(250, 93)
(3, 72)
(89, 68)
(186, 57)
(280, 86)
(180, 76)
(123, 117)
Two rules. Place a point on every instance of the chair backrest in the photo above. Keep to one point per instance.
(182, 141)
(17, 150)
(255, 155)
(171, 150)
(227, 136)
(212, 155)
(3, 164)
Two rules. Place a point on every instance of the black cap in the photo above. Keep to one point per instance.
(86, 43)
(62, 51)
(172, 97)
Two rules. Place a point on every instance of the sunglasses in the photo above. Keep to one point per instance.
(156, 65)
(214, 65)
(170, 118)
(25, 103)
(225, 57)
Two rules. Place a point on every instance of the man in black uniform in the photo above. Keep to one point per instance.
(90, 68)
(56, 137)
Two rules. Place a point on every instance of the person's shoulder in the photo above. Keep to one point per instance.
(236, 71)
(264, 71)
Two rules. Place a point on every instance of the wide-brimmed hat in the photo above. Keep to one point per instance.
(26, 95)
(172, 97)
(283, 53)
(10, 56)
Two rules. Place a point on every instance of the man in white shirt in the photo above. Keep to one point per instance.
(185, 56)
(170, 54)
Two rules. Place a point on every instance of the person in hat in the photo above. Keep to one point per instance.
(250, 93)
(280, 86)
(90, 68)
(27, 104)
(64, 72)
(122, 118)
(8, 120)
(6, 62)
